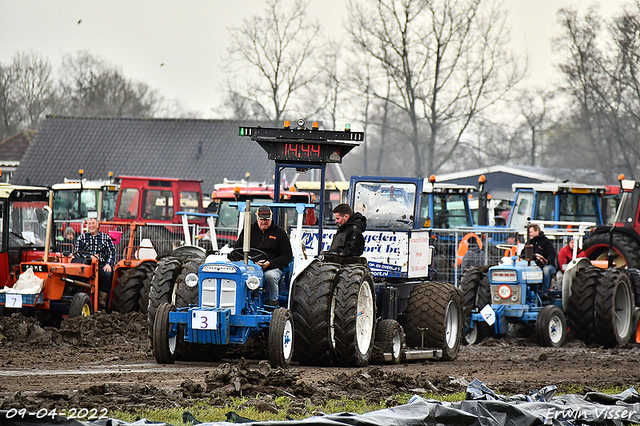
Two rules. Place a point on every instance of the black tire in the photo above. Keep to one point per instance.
(164, 346)
(614, 308)
(310, 305)
(634, 276)
(551, 327)
(475, 294)
(353, 314)
(146, 286)
(390, 339)
(126, 295)
(81, 305)
(627, 249)
(162, 287)
(189, 296)
(436, 307)
(582, 303)
(281, 338)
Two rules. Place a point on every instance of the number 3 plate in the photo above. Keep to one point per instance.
(204, 320)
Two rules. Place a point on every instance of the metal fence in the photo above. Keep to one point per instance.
(455, 249)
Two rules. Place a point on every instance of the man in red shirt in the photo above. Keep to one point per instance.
(565, 255)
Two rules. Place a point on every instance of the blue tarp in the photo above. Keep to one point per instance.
(482, 407)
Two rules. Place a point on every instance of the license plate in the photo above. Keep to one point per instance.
(13, 301)
(204, 320)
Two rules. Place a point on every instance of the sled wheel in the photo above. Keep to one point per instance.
(390, 339)
(80, 306)
(551, 326)
(281, 336)
(164, 340)
(434, 318)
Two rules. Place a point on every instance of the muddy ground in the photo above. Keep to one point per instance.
(104, 361)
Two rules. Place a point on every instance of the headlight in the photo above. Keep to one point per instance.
(191, 279)
(253, 282)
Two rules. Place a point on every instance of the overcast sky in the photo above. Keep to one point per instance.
(190, 37)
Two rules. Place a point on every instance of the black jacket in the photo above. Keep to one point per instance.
(274, 242)
(544, 246)
(349, 241)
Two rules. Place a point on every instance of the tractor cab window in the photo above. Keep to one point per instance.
(128, 203)
(385, 205)
(190, 202)
(545, 206)
(522, 209)
(449, 210)
(579, 208)
(158, 205)
(27, 224)
(109, 200)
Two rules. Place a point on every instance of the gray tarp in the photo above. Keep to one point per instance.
(482, 407)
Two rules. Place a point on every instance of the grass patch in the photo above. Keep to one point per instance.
(254, 408)
(286, 409)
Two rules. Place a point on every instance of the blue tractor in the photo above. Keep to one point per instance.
(597, 303)
(334, 309)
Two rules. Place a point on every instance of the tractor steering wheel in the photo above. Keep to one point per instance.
(82, 254)
(255, 255)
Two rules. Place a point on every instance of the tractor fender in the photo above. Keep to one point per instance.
(299, 266)
(569, 275)
(190, 251)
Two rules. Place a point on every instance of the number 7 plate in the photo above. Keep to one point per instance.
(204, 320)
(13, 301)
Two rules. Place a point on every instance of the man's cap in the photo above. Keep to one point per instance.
(264, 212)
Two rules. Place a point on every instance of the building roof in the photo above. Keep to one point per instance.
(13, 148)
(501, 178)
(206, 150)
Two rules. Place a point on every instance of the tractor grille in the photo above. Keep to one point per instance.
(228, 295)
(227, 290)
(210, 292)
(514, 298)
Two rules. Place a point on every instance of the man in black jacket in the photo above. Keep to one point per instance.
(348, 241)
(274, 241)
(544, 254)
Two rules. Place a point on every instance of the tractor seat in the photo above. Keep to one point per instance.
(83, 260)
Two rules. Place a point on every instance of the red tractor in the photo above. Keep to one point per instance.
(619, 242)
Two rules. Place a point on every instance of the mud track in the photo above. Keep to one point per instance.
(104, 361)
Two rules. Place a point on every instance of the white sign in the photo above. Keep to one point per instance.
(419, 254)
(13, 301)
(204, 320)
(387, 252)
(488, 314)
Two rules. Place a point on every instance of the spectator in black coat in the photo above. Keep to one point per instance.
(349, 240)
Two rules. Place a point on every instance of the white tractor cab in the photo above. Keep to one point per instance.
(81, 199)
(330, 307)
(597, 304)
(556, 202)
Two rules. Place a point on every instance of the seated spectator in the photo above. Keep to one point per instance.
(565, 255)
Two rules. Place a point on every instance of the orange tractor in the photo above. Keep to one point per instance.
(66, 284)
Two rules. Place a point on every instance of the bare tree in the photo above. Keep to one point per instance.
(601, 81)
(274, 51)
(27, 93)
(447, 61)
(91, 87)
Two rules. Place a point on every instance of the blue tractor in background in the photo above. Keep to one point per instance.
(597, 303)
